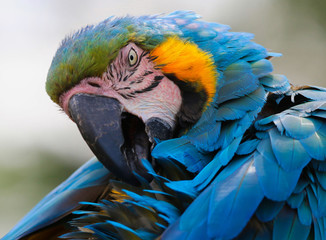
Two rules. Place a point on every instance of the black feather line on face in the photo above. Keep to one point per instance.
(154, 84)
(152, 58)
(158, 78)
(110, 70)
(139, 80)
(124, 96)
(125, 78)
(159, 67)
(132, 73)
(114, 70)
(145, 54)
(123, 88)
(147, 73)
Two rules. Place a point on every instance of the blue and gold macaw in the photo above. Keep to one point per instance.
(195, 137)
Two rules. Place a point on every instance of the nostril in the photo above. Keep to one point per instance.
(94, 84)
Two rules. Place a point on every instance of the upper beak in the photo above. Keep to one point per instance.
(99, 121)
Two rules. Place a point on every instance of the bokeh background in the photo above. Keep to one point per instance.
(40, 146)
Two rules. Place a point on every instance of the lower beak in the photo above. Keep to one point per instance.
(99, 121)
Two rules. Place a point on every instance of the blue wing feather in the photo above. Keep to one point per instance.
(319, 228)
(245, 84)
(275, 83)
(281, 185)
(289, 152)
(288, 227)
(226, 205)
(268, 210)
(220, 204)
(261, 67)
(304, 213)
(295, 200)
(301, 185)
(181, 150)
(316, 95)
(247, 147)
(84, 185)
(315, 145)
(321, 176)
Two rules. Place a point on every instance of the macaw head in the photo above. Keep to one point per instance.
(128, 82)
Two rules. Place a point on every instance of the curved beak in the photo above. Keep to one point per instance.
(99, 121)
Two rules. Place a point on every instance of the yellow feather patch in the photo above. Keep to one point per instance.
(188, 63)
(118, 196)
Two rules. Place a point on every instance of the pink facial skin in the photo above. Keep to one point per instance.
(132, 79)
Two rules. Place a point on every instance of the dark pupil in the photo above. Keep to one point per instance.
(131, 57)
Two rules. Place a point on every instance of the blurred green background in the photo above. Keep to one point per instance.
(40, 146)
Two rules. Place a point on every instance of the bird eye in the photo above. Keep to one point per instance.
(132, 57)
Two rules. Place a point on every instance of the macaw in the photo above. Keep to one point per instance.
(194, 137)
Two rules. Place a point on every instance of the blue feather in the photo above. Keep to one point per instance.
(205, 136)
(120, 226)
(62, 199)
(281, 185)
(268, 122)
(234, 129)
(316, 95)
(304, 213)
(262, 67)
(268, 210)
(246, 84)
(205, 176)
(289, 153)
(321, 176)
(225, 155)
(237, 108)
(295, 200)
(102, 231)
(315, 145)
(140, 205)
(274, 54)
(299, 127)
(181, 150)
(185, 186)
(275, 83)
(320, 114)
(71, 235)
(306, 109)
(320, 228)
(234, 71)
(302, 183)
(237, 46)
(158, 192)
(197, 233)
(318, 165)
(317, 200)
(188, 222)
(288, 227)
(168, 210)
(225, 219)
(255, 234)
(237, 184)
